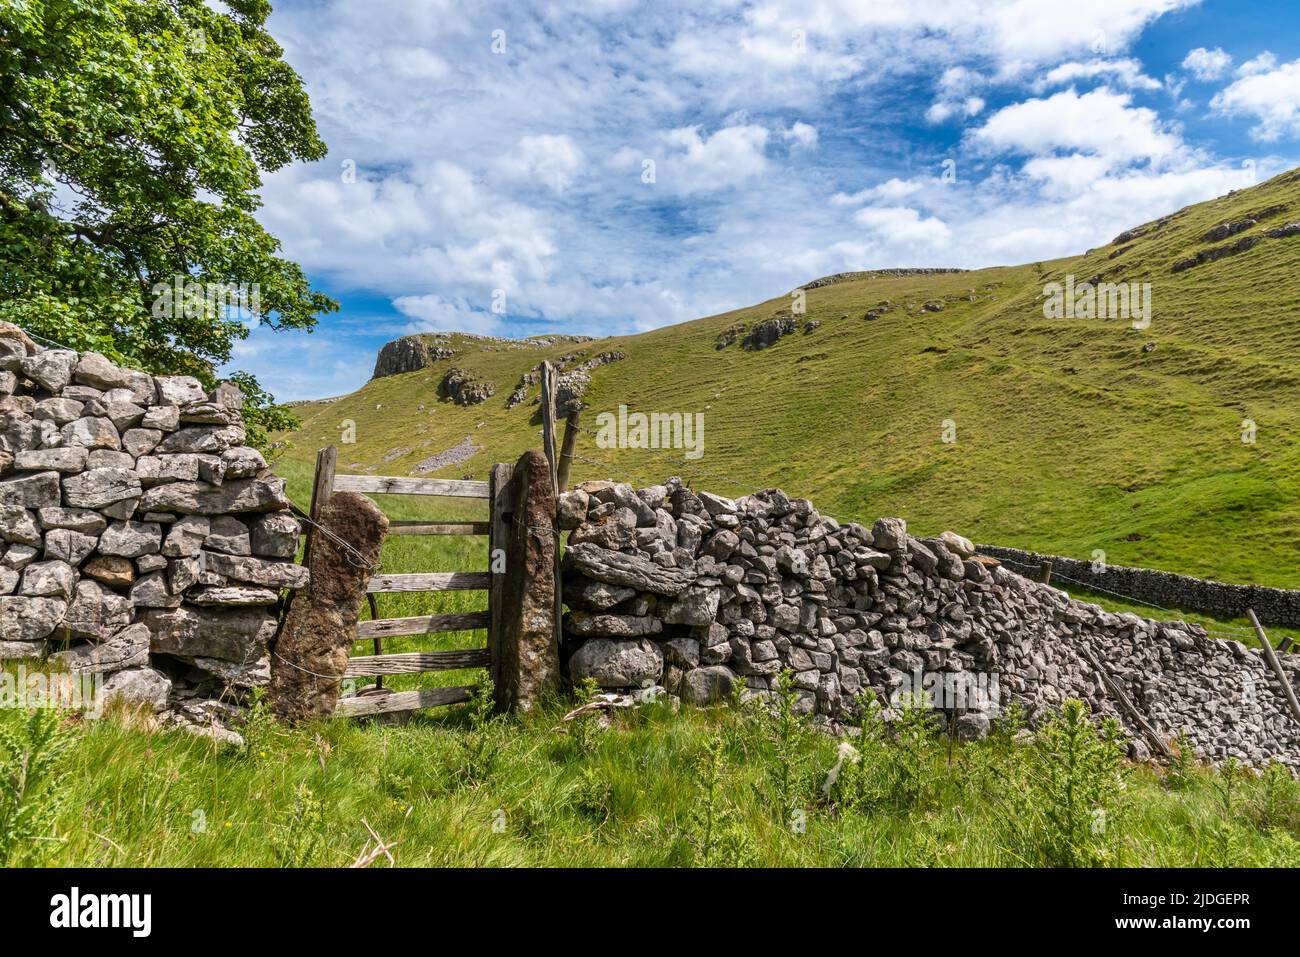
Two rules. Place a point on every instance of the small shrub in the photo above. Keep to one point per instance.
(1069, 811)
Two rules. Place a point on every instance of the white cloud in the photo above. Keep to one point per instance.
(727, 158)
(1125, 72)
(801, 135)
(943, 110)
(1271, 97)
(549, 159)
(903, 225)
(1207, 64)
(893, 190)
(1263, 63)
(1101, 123)
(435, 313)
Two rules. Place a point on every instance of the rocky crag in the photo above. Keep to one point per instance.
(687, 591)
(140, 539)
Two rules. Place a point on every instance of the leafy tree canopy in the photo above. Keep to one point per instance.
(133, 134)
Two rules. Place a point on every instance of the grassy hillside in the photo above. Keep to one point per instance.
(1072, 434)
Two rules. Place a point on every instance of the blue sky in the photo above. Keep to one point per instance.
(606, 167)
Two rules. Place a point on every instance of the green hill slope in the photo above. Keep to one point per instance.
(1072, 434)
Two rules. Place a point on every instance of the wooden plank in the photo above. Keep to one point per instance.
(430, 581)
(423, 624)
(362, 705)
(439, 528)
(548, 418)
(1275, 664)
(566, 450)
(398, 485)
(498, 543)
(321, 490)
(415, 662)
(1118, 694)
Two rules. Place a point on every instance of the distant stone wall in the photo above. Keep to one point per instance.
(683, 592)
(140, 539)
(1274, 606)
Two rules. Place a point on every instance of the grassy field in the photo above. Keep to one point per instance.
(1071, 435)
(726, 786)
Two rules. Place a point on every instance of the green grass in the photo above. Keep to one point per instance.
(1070, 437)
(540, 792)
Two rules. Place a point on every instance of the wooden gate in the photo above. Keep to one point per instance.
(378, 665)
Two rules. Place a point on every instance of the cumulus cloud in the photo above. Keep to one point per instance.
(1101, 123)
(694, 163)
(903, 225)
(1270, 96)
(553, 160)
(1207, 64)
(1125, 72)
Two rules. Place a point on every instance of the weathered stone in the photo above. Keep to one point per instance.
(51, 369)
(199, 498)
(186, 536)
(140, 441)
(523, 641)
(109, 459)
(59, 410)
(275, 535)
(16, 650)
(179, 390)
(67, 545)
(229, 535)
(257, 571)
(98, 488)
(95, 370)
(37, 490)
(231, 635)
(242, 462)
(138, 687)
(600, 596)
(959, 546)
(617, 664)
(889, 534)
(707, 685)
(131, 539)
(163, 418)
(19, 555)
(96, 612)
(51, 579)
(122, 412)
(159, 469)
(202, 438)
(19, 525)
(111, 570)
(630, 571)
(150, 563)
(320, 626)
(585, 624)
(695, 606)
(71, 458)
(29, 619)
(150, 591)
(129, 648)
(571, 508)
(232, 596)
(92, 432)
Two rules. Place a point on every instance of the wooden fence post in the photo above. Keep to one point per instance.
(566, 450)
(1045, 573)
(548, 420)
(321, 490)
(1275, 664)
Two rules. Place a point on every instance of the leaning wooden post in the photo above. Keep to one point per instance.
(1045, 572)
(566, 450)
(548, 420)
(321, 489)
(1275, 664)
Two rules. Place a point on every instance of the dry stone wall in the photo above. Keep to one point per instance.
(1273, 606)
(685, 591)
(140, 539)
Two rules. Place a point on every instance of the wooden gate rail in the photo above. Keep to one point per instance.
(325, 485)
